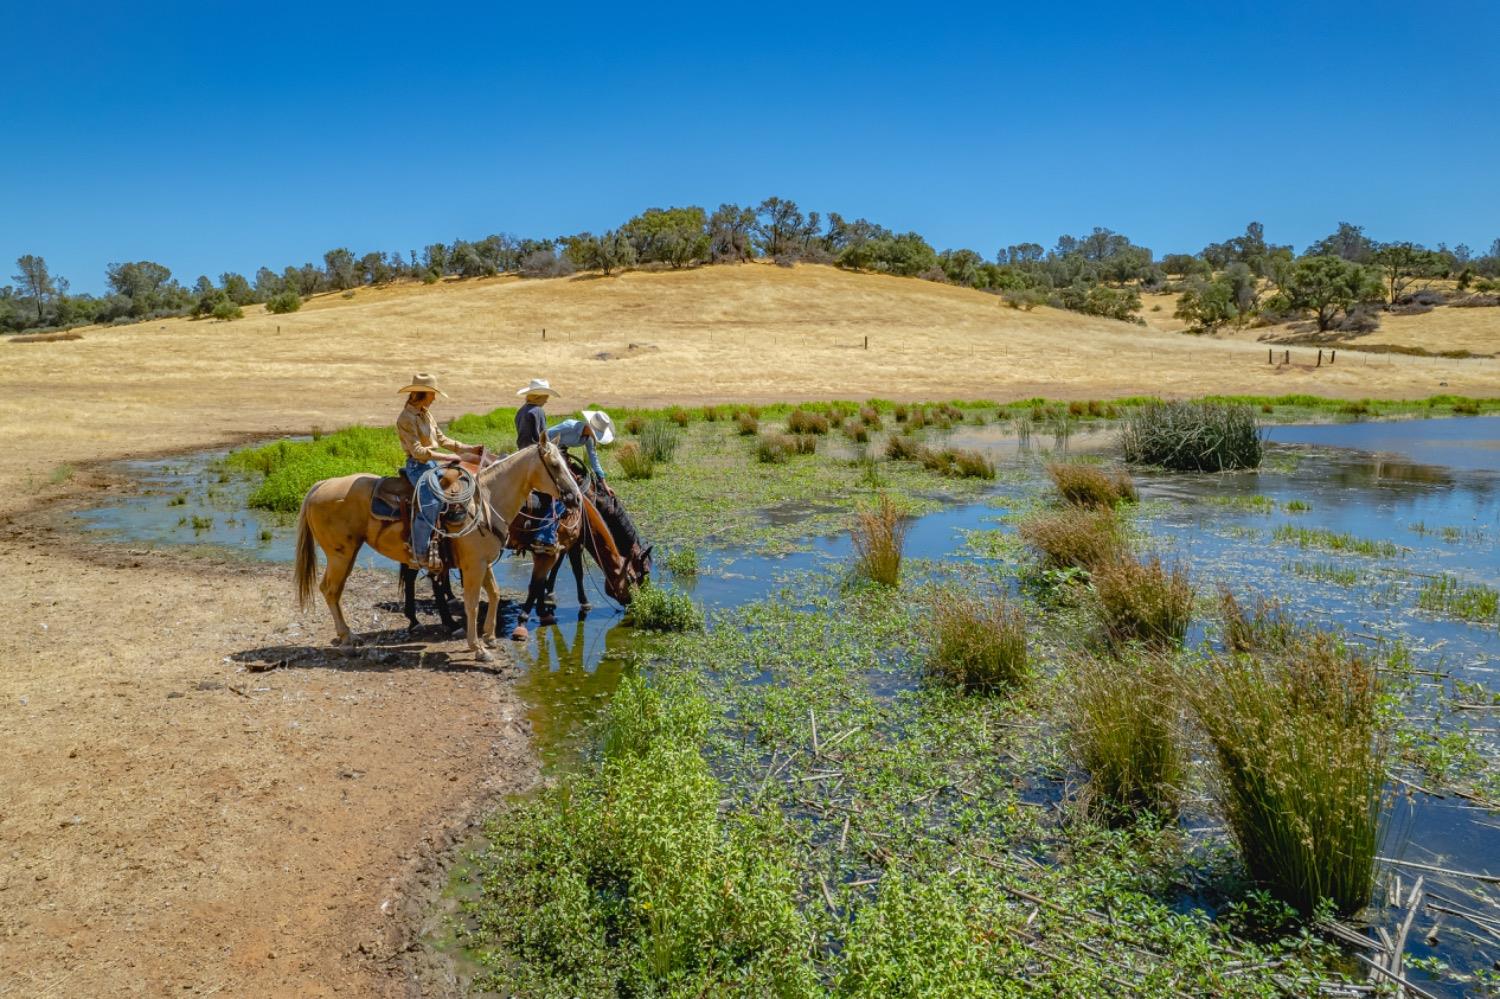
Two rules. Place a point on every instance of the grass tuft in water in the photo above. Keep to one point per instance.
(1073, 538)
(879, 537)
(978, 641)
(1301, 757)
(662, 608)
(1193, 436)
(1090, 485)
(635, 461)
(1334, 541)
(1142, 602)
(1124, 731)
(659, 441)
(1447, 595)
(747, 425)
(801, 421)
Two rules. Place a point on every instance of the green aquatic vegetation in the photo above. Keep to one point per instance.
(1297, 506)
(978, 640)
(1204, 436)
(290, 468)
(1253, 503)
(1141, 601)
(662, 608)
(1335, 541)
(1325, 572)
(202, 523)
(178, 500)
(1124, 728)
(682, 561)
(1445, 594)
(1301, 751)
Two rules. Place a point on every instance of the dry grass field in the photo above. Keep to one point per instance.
(749, 333)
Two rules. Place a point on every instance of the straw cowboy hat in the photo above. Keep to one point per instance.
(603, 427)
(538, 386)
(423, 382)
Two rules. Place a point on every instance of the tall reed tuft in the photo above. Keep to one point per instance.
(1124, 729)
(1193, 436)
(747, 425)
(879, 536)
(978, 641)
(1073, 538)
(775, 449)
(899, 447)
(870, 417)
(659, 440)
(1142, 601)
(1090, 485)
(1301, 754)
(635, 462)
(856, 431)
(803, 422)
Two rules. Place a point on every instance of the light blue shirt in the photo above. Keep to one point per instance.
(569, 433)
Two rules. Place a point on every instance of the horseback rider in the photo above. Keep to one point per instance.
(531, 427)
(425, 445)
(595, 426)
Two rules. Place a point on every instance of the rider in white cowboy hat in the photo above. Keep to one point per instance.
(424, 445)
(531, 427)
(593, 426)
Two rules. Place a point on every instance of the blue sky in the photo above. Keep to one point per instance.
(215, 137)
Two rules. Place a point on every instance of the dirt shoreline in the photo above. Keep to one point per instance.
(205, 799)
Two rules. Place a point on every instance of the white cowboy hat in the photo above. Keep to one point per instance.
(538, 386)
(423, 382)
(602, 425)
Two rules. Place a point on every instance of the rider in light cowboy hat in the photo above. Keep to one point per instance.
(531, 426)
(425, 445)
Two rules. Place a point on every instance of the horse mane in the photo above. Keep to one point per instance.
(621, 527)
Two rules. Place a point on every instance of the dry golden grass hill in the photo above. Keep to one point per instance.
(749, 333)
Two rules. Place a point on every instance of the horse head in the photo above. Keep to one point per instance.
(558, 475)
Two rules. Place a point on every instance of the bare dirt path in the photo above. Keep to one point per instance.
(177, 818)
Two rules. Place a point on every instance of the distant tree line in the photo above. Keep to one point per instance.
(1102, 273)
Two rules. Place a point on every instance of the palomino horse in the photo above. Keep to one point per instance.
(336, 515)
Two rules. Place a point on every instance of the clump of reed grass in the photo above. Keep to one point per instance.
(1265, 628)
(856, 431)
(803, 422)
(900, 447)
(1090, 485)
(879, 536)
(1073, 538)
(635, 461)
(662, 608)
(775, 449)
(1142, 602)
(1125, 731)
(1445, 594)
(747, 425)
(805, 443)
(1193, 436)
(711, 414)
(900, 413)
(678, 415)
(917, 419)
(1301, 755)
(659, 440)
(870, 417)
(978, 641)
(634, 425)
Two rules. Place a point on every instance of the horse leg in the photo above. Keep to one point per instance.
(332, 586)
(442, 595)
(409, 596)
(492, 591)
(473, 582)
(575, 558)
(536, 592)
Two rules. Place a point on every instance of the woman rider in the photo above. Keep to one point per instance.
(425, 445)
(531, 427)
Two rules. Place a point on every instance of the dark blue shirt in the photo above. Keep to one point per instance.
(531, 424)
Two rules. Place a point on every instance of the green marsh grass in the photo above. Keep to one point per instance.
(663, 608)
(775, 449)
(1090, 485)
(978, 640)
(1447, 595)
(879, 537)
(1124, 729)
(291, 468)
(804, 422)
(635, 461)
(1301, 757)
(1142, 601)
(1334, 541)
(1326, 572)
(1192, 436)
(746, 425)
(659, 440)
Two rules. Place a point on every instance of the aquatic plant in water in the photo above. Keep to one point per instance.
(978, 640)
(879, 537)
(1124, 730)
(1193, 436)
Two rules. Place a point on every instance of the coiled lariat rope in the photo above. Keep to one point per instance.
(462, 497)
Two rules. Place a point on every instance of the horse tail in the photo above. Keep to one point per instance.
(306, 569)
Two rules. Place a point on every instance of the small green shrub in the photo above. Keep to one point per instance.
(286, 301)
(682, 561)
(1302, 757)
(879, 536)
(1143, 602)
(291, 468)
(659, 440)
(635, 461)
(1193, 436)
(914, 941)
(978, 642)
(660, 608)
(1124, 731)
(227, 310)
(1090, 485)
(1073, 538)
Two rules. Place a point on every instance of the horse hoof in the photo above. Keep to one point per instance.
(585, 606)
(520, 634)
(483, 654)
(547, 621)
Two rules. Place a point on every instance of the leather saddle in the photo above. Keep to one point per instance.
(523, 529)
(392, 499)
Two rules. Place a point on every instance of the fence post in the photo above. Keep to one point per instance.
(1286, 357)
(1270, 358)
(1332, 355)
(1320, 357)
(544, 332)
(867, 343)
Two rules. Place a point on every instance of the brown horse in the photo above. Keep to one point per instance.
(336, 515)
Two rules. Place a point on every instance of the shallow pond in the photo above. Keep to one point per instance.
(1344, 523)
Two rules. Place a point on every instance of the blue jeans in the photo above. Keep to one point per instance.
(426, 504)
(546, 531)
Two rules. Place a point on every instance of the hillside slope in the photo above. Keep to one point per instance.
(747, 333)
